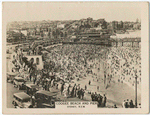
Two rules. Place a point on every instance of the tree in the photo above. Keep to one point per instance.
(15, 36)
(96, 24)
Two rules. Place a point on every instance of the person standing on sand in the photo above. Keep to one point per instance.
(89, 82)
(131, 104)
(99, 102)
(57, 86)
(72, 92)
(127, 104)
(92, 96)
(97, 88)
(101, 98)
(85, 87)
(75, 90)
(123, 104)
(68, 90)
(115, 106)
(105, 99)
(82, 93)
(96, 97)
(62, 88)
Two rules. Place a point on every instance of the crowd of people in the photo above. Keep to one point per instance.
(79, 60)
(126, 62)
(123, 63)
(101, 100)
(129, 104)
(74, 62)
(74, 91)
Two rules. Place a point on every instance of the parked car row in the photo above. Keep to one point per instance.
(11, 76)
(43, 99)
(21, 100)
(19, 82)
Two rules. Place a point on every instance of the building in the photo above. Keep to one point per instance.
(37, 59)
(61, 26)
(109, 26)
(50, 30)
(137, 26)
(89, 21)
(102, 23)
(120, 25)
(115, 25)
(45, 34)
(31, 32)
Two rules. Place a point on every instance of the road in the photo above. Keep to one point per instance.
(10, 91)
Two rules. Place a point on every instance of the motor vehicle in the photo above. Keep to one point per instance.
(11, 76)
(21, 100)
(31, 89)
(19, 82)
(47, 99)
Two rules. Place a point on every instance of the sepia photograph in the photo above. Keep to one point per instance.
(76, 56)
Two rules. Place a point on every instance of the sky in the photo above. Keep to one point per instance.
(37, 11)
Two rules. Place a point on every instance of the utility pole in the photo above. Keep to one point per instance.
(136, 91)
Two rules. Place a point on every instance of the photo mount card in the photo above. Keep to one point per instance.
(75, 57)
